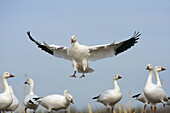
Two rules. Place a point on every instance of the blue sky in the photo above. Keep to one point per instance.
(93, 23)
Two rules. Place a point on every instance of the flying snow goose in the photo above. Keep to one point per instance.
(157, 69)
(29, 102)
(15, 102)
(80, 54)
(56, 102)
(153, 92)
(112, 96)
(5, 97)
(141, 97)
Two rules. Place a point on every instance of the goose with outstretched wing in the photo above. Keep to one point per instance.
(80, 54)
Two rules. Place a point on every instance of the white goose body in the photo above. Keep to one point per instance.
(112, 96)
(154, 92)
(56, 102)
(5, 97)
(29, 102)
(80, 54)
(15, 102)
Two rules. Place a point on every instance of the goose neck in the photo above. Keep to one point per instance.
(31, 89)
(75, 43)
(150, 77)
(157, 78)
(5, 84)
(115, 84)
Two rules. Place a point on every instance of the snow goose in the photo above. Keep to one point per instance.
(80, 54)
(5, 97)
(153, 92)
(15, 102)
(29, 102)
(56, 102)
(141, 97)
(112, 96)
(157, 69)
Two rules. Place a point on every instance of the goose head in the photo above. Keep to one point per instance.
(159, 68)
(149, 67)
(29, 81)
(68, 96)
(7, 75)
(73, 39)
(116, 77)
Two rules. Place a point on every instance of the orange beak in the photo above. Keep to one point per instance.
(72, 101)
(12, 75)
(119, 77)
(147, 68)
(163, 69)
(72, 41)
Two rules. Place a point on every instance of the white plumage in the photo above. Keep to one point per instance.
(29, 102)
(80, 54)
(157, 69)
(112, 96)
(15, 102)
(153, 92)
(5, 97)
(55, 101)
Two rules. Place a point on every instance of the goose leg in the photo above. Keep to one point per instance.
(84, 66)
(75, 68)
(152, 109)
(82, 75)
(164, 108)
(74, 74)
(108, 109)
(155, 109)
(49, 110)
(112, 108)
(144, 108)
(25, 110)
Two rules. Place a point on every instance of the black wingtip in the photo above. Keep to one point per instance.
(136, 95)
(43, 47)
(30, 102)
(95, 97)
(37, 98)
(169, 97)
(30, 37)
(128, 43)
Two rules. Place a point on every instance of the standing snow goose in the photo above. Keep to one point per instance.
(29, 102)
(15, 102)
(56, 102)
(80, 54)
(153, 92)
(157, 69)
(112, 96)
(5, 97)
(141, 97)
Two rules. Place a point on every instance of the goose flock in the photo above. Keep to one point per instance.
(79, 55)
